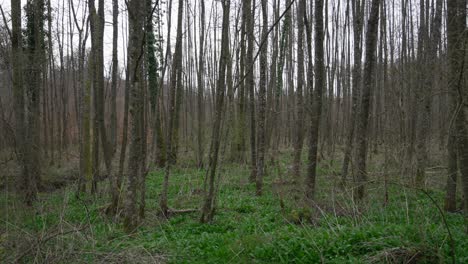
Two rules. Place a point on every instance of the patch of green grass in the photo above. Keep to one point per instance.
(246, 228)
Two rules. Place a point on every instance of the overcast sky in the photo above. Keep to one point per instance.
(212, 7)
(63, 5)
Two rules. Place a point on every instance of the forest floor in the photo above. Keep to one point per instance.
(273, 228)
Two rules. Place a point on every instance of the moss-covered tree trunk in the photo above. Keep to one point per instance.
(136, 17)
(35, 58)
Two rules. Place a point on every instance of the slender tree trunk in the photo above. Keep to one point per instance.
(362, 130)
(456, 48)
(299, 127)
(115, 188)
(99, 128)
(271, 86)
(316, 100)
(143, 170)
(250, 85)
(18, 99)
(83, 104)
(115, 76)
(136, 17)
(123, 147)
(35, 58)
(86, 133)
(240, 140)
(201, 87)
(152, 72)
(160, 157)
(208, 207)
(358, 17)
(423, 95)
(174, 106)
(262, 102)
(279, 82)
(63, 87)
(451, 191)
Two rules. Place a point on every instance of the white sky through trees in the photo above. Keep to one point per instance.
(213, 23)
(61, 8)
(60, 12)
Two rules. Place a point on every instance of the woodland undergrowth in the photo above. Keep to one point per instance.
(277, 227)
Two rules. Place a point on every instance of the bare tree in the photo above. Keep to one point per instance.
(316, 100)
(208, 207)
(362, 130)
(18, 97)
(262, 102)
(96, 18)
(456, 48)
(299, 127)
(174, 108)
(115, 181)
(250, 85)
(201, 86)
(35, 55)
(115, 76)
(358, 17)
(136, 17)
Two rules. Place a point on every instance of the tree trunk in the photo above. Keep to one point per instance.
(362, 130)
(208, 207)
(201, 87)
(456, 49)
(262, 102)
(279, 82)
(299, 133)
(115, 76)
(316, 100)
(250, 85)
(99, 128)
(358, 17)
(136, 17)
(240, 140)
(174, 107)
(424, 96)
(35, 58)
(115, 188)
(18, 100)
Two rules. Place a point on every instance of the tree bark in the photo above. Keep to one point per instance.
(174, 107)
(358, 17)
(362, 130)
(262, 102)
(35, 58)
(208, 207)
(299, 127)
(456, 49)
(316, 100)
(19, 101)
(136, 17)
(99, 129)
(201, 87)
(115, 76)
(250, 85)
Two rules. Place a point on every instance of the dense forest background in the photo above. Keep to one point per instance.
(234, 131)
